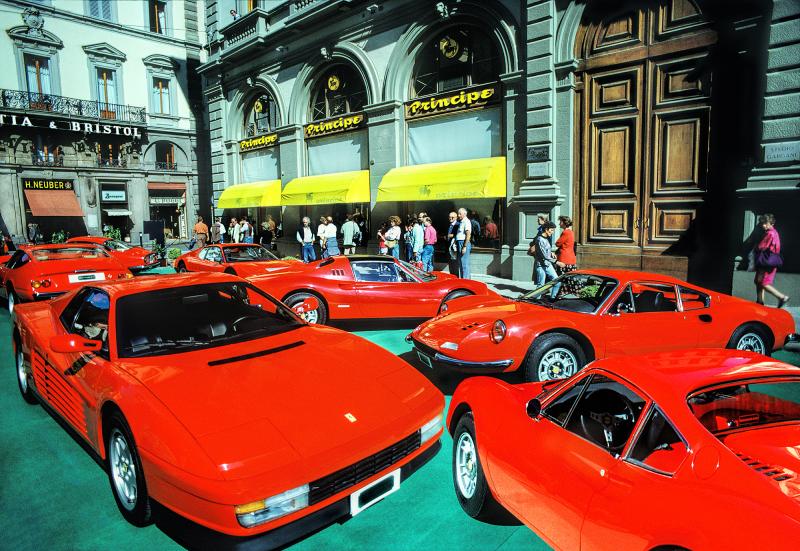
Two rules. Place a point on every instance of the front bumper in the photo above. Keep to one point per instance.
(428, 356)
(144, 267)
(46, 296)
(196, 536)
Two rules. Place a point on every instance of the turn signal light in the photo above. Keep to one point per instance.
(126, 275)
(36, 283)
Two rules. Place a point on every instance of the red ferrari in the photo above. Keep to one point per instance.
(553, 331)
(694, 449)
(136, 259)
(39, 272)
(207, 396)
(240, 259)
(366, 286)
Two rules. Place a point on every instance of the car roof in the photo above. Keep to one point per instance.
(154, 282)
(625, 276)
(372, 257)
(56, 246)
(92, 238)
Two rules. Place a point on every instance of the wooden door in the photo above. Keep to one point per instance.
(644, 101)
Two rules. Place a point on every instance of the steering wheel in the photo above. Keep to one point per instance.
(607, 418)
(240, 319)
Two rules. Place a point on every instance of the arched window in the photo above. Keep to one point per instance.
(339, 90)
(455, 58)
(261, 116)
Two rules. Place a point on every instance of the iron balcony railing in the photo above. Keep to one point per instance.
(49, 160)
(92, 109)
(161, 165)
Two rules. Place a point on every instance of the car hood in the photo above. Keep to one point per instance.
(320, 389)
(262, 267)
(484, 311)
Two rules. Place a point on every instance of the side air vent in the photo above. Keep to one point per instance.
(778, 474)
(470, 326)
(337, 272)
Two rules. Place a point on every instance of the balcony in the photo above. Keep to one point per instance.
(72, 107)
(163, 165)
(118, 162)
(38, 159)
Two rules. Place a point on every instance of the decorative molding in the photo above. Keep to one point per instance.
(32, 32)
(160, 62)
(104, 52)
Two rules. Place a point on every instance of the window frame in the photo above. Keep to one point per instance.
(386, 262)
(321, 85)
(160, 67)
(168, 17)
(113, 16)
(584, 381)
(639, 431)
(249, 115)
(706, 301)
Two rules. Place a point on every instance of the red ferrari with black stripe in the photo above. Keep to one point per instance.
(206, 395)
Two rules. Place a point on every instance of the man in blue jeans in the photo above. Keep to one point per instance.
(306, 239)
(463, 234)
(544, 260)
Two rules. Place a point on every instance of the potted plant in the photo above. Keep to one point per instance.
(172, 255)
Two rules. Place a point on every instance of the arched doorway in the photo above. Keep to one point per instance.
(643, 112)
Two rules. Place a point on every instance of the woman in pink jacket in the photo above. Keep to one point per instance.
(765, 275)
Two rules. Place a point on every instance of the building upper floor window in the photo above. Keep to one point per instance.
(101, 9)
(37, 74)
(165, 156)
(110, 154)
(45, 153)
(340, 90)
(262, 116)
(456, 58)
(161, 99)
(158, 16)
(107, 92)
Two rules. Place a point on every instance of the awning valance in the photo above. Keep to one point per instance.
(471, 179)
(117, 212)
(266, 193)
(166, 186)
(327, 189)
(53, 202)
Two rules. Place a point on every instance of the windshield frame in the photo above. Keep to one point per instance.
(416, 273)
(293, 321)
(245, 246)
(559, 279)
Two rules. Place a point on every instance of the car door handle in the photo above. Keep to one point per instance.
(706, 318)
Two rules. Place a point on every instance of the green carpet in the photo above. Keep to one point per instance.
(54, 496)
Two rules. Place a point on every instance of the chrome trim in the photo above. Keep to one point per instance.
(464, 363)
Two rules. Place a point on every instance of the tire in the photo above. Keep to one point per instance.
(469, 480)
(182, 268)
(22, 376)
(554, 356)
(751, 337)
(453, 295)
(13, 299)
(125, 473)
(318, 316)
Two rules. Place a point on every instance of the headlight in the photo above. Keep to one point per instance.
(430, 429)
(259, 512)
(498, 332)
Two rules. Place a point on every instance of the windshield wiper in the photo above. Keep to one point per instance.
(534, 300)
(166, 344)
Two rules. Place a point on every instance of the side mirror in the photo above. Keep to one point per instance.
(73, 343)
(534, 408)
(308, 305)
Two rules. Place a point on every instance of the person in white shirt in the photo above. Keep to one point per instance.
(331, 243)
(463, 244)
(306, 239)
(392, 236)
(321, 235)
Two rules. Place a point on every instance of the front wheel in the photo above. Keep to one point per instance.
(182, 268)
(554, 356)
(751, 337)
(125, 473)
(318, 316)
(22, 376)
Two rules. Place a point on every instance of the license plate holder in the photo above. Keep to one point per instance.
(426, 361)
(77, 278)
(374, 492)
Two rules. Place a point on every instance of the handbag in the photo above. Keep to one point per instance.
(769, 260)
(391, 243)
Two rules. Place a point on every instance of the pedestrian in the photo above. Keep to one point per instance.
(543, 257)
(418, 239)
(768, 260)
(362, 229)
(429, 240)
(392, 236)
(565, 251)
(305, 236)
(350, 235)
(200, 232)
(269, 232)
(331, 243)
(235, 15)
(321, 236)
(246, 231)
(219, 227)
(233, 230)
(476, 227)
(408, 240)
(452, 246)
(542, 218)
(382, 248)
(463, 243)
(491, 233)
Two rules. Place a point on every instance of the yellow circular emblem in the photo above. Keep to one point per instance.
(258, 107)
(333, 83)
(449, 47)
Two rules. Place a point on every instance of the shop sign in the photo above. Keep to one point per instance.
(468, 98)
(334, 126)
(156, 200)
(74, 126)
(259, 142)
(784, 152)
(113, 195)
(47, 184)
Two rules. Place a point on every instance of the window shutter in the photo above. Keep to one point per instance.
(94, 8)
(106, 9)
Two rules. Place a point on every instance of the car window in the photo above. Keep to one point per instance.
(559, 409)
(68, 252)
(375, 271)
(693, 300)
(69, 313)
(19, 258)
(114, 245)
(91, 320)
(659, 446)
(606, 414)
(248, 253)
(653, 297)
(583, 293)
(211, 254)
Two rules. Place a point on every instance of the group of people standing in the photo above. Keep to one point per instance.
(352, 233)
(237, 231)
(551, 261)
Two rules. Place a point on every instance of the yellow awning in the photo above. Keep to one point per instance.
(327, 189)
(471, 179)
(266, 193)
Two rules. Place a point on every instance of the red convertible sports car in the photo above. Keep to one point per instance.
(240, 259)
(39, 272)
(134, 258)
(693, 449)
(211, 398)
(553, 331)
(366, 286)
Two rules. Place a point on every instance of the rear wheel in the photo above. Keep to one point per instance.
(751, 337)
(125, 472)
(554, 356)
(22, 376)
(13, 299)
(453, 295)
(182, 268)
(318, 316)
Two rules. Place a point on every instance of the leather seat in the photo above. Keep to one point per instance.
(649, 301)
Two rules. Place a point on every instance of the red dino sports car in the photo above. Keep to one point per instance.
(206, 395)
(39, 272)
(240, 259)
(366, 286)
(132, 257)
(693, 449)
(553, 331)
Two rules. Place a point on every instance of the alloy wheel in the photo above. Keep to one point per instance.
(752, 342)
(123, 470)
(558, 363)
(23, 378)
(466, 465)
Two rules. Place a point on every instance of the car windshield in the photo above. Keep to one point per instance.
(423, 276)
(575, 292)
(75, 252)
(197, 316)
(747, 404)
(115, 245)
(248, 254)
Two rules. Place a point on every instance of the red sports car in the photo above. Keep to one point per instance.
(366, 286)
(39, 272)
(240, 259)
(134, 258)
(206, 395)
(693, 449)
(553, 331)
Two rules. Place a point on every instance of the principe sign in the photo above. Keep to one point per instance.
(47, 185)
(334, 126)
(469, 98)
(258, 142)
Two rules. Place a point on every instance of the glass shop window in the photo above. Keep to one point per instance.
(262, 116)
(339, 91)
